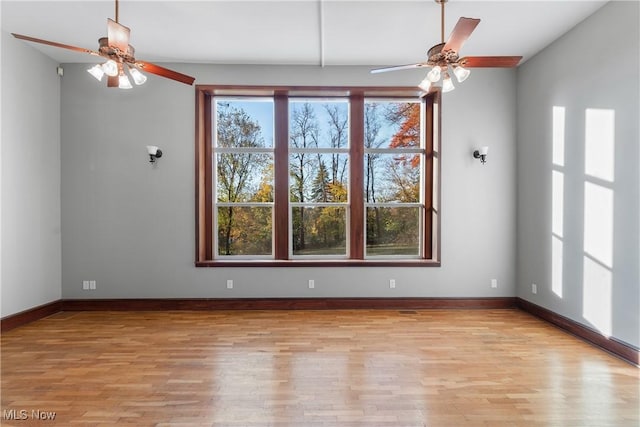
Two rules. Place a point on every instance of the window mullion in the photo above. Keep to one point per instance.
(356, 182)
(427, 184)
(281, 177)
(431, 232)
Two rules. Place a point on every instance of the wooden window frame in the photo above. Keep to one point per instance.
(281, 94)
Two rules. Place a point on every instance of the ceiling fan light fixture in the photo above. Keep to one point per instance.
(96, 71)
(461, 73)
(434, 74)
(138, 77)
(425, 85)
(447, 84)
(110, 68)
(123, 82)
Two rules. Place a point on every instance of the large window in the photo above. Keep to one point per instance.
(331, 176)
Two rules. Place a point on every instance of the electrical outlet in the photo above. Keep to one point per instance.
(312, 284)
(85, 285)
(494, 283)
(534, 288)
(229, 284)
(392, 283)
(92, 285)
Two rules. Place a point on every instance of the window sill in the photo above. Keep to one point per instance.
(320, 263)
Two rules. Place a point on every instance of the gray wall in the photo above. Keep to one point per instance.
(130, 226)
(570, 73)
(30, 190)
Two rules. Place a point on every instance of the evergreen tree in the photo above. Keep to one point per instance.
(320, 186)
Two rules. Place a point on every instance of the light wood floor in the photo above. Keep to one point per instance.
(433, 368)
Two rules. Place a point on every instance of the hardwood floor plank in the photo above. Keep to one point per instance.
(312, 368)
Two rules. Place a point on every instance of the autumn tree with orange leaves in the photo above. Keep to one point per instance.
(407, 116)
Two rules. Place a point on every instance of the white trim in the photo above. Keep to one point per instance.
(242, 150)
(412, 150)
(318, 204)
(394, 205)
(318, 150)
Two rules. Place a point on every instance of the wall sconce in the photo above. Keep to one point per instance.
(154, 153)
(481, 154)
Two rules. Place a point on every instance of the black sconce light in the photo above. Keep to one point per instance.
(481, 154)
(154, 153)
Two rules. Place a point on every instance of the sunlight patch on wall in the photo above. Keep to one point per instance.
(557, 199)
(598, 223)
(557, 248)
(557, 221)
(557, 226)
(598, 218)
(558, 135)
(599, 143)
(596, 297)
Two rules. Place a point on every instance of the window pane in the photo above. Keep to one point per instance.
(246, 123)
(244, 177)
(392, 178)
(244, 230)
(318, 178)
(393, 231)
(319, 230)
(392, 124)
(318, 124)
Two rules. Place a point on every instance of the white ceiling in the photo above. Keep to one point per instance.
(310, 32)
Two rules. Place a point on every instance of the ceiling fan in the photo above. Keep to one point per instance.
(444, 56)
(120, 57)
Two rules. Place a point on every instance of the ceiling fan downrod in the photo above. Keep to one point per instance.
(441, 3)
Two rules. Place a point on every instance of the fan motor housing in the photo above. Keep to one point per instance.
(110, 51)
(440, 57)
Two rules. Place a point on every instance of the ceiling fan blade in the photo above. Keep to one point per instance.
(398, 67)
(461, 33)
(55, 44)
(490, 61)
(164, 72)
(118, 35)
